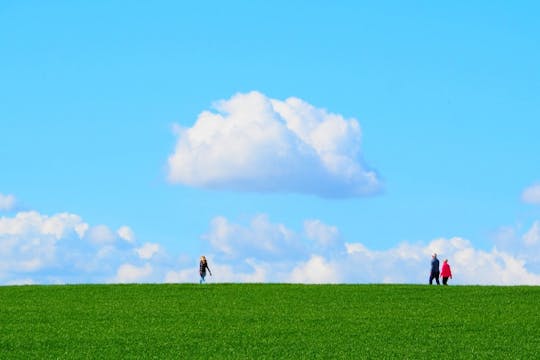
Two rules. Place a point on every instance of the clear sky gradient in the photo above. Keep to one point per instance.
(289, 141)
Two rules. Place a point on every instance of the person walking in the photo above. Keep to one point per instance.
(203, 266)
(434, 270)
(445, 272)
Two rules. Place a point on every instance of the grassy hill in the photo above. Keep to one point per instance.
(269, 321)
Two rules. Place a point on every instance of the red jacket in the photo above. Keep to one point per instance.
(445, 270)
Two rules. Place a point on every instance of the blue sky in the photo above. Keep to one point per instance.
(287, 141)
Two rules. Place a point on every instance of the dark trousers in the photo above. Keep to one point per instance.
(445, 280)
(434, 275)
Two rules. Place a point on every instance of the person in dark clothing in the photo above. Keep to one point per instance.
(203, 266)
(434, 270)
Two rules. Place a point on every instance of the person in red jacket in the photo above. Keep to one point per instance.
(445, 272)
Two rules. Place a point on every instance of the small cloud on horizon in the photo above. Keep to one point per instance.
(531, 195)
(7, 202)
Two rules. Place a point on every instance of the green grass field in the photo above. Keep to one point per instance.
(269, 321)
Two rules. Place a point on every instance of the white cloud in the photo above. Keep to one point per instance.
(356, 248)
(31, 222)
(505, 237)
(26, 281)
(523, 244)
(325, 236)
(252, 272)
(188, 275)
(125, 233)
(128, 273)
(260, 238)
(62, 248)
(100, 235)
(81, 229)
(7, 202)
(495, 268)
(29, 241)
(255, 143)
(147, 250)
(410, 263)
(531, 194)
(532, 237)
(356, 263)
(316, 270)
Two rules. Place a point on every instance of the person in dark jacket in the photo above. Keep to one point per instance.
(203, 266)
(434, 270)
(445, 272)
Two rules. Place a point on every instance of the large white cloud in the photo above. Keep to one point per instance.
(7, 202)
(255, 143)
(531, 194)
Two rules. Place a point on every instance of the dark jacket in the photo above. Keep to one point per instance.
(203, 265)
(435, 265)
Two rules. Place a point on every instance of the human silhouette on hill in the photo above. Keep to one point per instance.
(446, 272)
(203, 266)
(434, 270)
